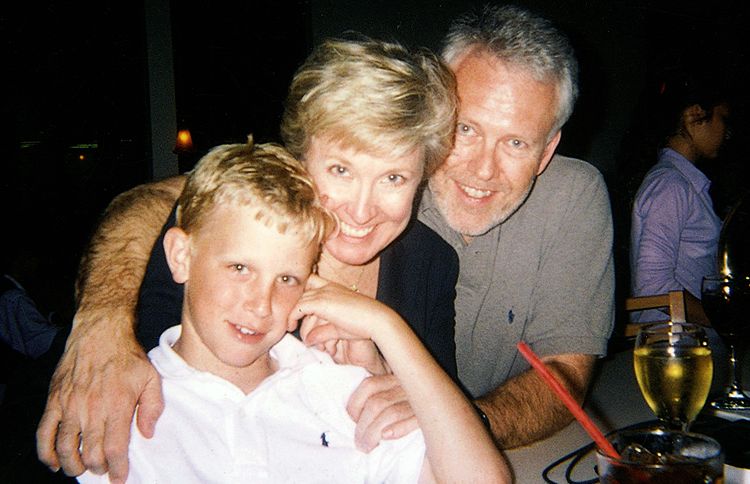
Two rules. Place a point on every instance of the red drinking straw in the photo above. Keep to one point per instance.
(568, 400)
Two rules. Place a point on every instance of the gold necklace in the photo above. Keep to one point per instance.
(354, 287)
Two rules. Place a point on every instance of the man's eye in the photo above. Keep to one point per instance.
(395, 179)
(516, 143)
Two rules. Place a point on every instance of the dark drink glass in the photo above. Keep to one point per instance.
(726, 301)
(661, 456)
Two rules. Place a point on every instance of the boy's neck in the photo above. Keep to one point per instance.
(246, 378)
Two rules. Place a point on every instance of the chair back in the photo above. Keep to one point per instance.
(673, 301)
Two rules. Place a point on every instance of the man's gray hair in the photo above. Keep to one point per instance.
(524, 40)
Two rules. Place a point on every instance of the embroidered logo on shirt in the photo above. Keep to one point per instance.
(323, 440)
(511, 316)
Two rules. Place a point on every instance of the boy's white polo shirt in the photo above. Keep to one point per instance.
(292, 428)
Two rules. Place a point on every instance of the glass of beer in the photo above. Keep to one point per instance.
(674, 369)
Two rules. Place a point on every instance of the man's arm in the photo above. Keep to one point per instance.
(523, 410)
(571, 300)
(103, 372)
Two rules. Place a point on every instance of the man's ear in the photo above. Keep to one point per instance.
(548, 152)
(177, 250)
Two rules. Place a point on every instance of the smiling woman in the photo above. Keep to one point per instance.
(368, 152)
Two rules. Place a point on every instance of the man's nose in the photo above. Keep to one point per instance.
(485, 162)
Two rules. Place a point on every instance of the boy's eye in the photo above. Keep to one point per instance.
(338, 170)
(289, 280)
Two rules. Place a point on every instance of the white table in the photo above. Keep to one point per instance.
(614, 402)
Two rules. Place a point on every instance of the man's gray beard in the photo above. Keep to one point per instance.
(444, 208)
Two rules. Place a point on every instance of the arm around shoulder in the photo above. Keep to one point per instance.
(104, 373)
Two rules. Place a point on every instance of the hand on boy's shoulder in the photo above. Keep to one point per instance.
(381, 410)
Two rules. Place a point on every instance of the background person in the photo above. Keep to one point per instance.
(369, 120)
(674, 229)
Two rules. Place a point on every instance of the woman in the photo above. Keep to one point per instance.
(370, 120)
(675, 231)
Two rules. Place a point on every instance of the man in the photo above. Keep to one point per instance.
(536, 256)
(533, 231)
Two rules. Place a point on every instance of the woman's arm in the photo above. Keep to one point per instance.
(459, 448)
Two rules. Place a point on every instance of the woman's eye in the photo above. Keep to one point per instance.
(240, 268)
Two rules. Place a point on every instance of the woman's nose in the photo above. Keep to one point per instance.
(363, 206)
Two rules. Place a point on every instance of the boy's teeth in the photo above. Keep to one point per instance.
(243, 330)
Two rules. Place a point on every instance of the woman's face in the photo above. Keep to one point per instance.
(709, 135)
(371, 195)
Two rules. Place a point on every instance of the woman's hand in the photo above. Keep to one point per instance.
(335, 320)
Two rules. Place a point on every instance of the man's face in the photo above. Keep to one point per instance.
(502, 143)
(242, 279)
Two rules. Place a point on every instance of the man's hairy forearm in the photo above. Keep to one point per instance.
(111, 271)
(524, 410)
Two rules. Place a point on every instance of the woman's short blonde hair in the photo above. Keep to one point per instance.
(372, 96)
(264, 176)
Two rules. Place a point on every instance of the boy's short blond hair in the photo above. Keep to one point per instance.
(372, 96)
(265, 176)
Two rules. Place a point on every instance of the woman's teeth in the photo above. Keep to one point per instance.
(350, 231)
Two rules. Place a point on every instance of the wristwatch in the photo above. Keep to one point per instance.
(483, 417)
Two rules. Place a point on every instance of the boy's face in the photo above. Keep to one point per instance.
(242, 279)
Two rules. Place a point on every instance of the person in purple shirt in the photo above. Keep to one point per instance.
(674, 228)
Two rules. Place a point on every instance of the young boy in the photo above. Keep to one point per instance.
(247, 402)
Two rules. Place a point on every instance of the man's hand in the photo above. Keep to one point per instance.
(382, 411)
(92, 398)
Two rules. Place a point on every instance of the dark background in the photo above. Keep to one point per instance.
(75, 110)
(75, 106)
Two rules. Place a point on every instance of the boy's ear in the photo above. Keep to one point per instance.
(177, 250)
